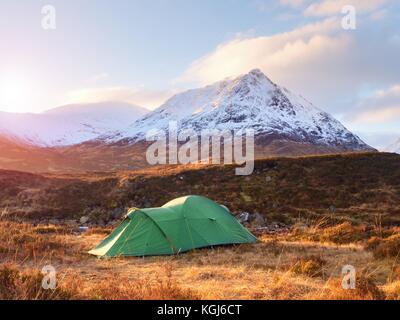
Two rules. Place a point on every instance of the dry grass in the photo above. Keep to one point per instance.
(27, 285)
(274, 268)
(366, 289)
(343, 233)
(385, 247)
(309, 266)
(22, 241)
(344, 206)
(145, 288)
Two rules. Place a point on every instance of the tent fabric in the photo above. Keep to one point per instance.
(180, 225)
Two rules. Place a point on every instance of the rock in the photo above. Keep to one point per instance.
(273, 228)
(244, 217)
(268, 179)
(258, 220)
(84, 219)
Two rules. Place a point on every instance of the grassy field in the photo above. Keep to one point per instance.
(296, 265)
(337, 210)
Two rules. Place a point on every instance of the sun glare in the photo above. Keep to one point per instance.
(16, 93)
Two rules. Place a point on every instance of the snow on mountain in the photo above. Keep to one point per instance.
(395, 147)
(70, 124)
(248, 101)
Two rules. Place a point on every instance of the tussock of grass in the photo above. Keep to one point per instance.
(366, 289)
(312, 266)
(341, 234)
(27, 285)
(392, 290)
(385, 248)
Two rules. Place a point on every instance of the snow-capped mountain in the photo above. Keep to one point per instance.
(68, 125)
(395, 147)
(248, 101)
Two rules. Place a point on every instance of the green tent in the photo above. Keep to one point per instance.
(178, 226)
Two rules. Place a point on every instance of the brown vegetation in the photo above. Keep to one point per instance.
(355, 188)
(273, 268)
(340, 209)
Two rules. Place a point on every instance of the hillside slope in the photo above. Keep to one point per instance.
(357, 187)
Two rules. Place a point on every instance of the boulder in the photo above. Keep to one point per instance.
(84, 219)
(244, 217)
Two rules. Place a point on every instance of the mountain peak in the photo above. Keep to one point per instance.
(257, 77)
(257, 73)
(249, 101)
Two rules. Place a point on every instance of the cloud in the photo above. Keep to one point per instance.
(292, 3)
(391, 92)
(383, 106)
(381, 115)
(334, 7)
(269, 53)
(321, 61)
(376, 118)
(138, 96)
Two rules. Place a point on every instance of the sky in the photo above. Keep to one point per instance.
(143, 52)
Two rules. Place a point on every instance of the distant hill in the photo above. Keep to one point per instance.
(394, 147)
(352, 187)
(68, 125)
(111, 136)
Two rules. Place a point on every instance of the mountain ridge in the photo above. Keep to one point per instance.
(68, 125)
(285, 125)
(248, 101)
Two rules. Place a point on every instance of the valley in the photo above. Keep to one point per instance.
(318, 199)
